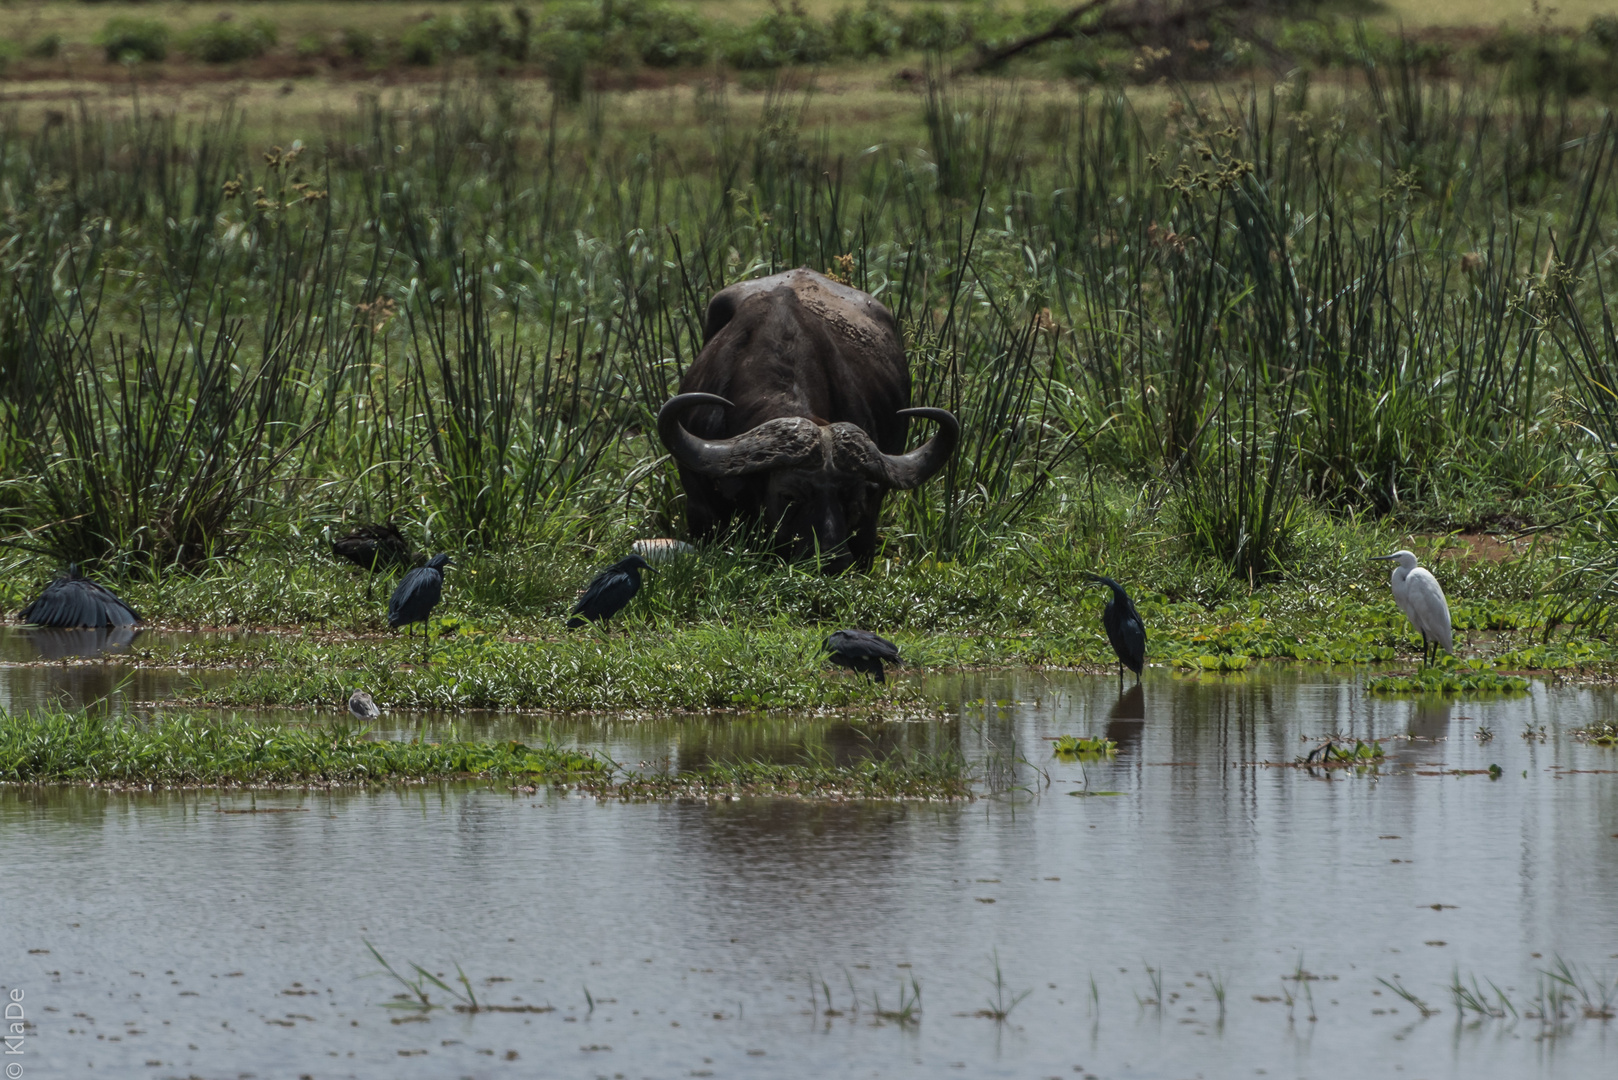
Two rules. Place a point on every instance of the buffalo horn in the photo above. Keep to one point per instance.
(782, 442)
(855, 451)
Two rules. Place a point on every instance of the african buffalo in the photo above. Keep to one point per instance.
(795, 414)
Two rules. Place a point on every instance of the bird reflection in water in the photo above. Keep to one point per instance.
(1429, 719)
(1126, 722)
(56, 643)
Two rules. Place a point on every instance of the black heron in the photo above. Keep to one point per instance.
(1124, 629)
(361, 707)
(611, 590)
(73, 600)
(861, 650)
(418, 593)
(374, 548)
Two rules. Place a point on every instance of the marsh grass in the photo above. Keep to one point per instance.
(56, 747)
(1235, 333)
(189, 750)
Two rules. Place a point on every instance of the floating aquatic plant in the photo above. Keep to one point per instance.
(1464, 677)
(1605, 734)
(1333, 752)
(1069, 747)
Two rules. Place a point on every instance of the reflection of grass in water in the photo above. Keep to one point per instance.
(918, 775)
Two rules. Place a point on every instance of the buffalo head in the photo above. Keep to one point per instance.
(821, 481)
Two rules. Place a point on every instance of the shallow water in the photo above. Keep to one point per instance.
(43, 667)
(178, 935)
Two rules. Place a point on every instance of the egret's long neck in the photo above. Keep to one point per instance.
(1400, 573)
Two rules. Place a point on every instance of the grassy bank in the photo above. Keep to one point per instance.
(192, 750)
(211, 750)
(1222, 343)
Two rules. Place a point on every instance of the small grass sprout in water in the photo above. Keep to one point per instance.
(1421, 1006)
(999, 1007)
(1597, 995)
(909, 1008)
(417, 998)
(1474, 999)
(1070, 747)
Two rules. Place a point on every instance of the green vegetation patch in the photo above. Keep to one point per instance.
(189, 749)
(1464, 677)
(130, 40)
(226, 41)
(704, 668)
(1075, 747)
(1333, 753)
(1605, 734)
(186, 750)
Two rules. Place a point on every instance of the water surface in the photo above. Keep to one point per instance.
(217, 935)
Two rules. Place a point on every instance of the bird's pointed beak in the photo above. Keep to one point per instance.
(1383, 558)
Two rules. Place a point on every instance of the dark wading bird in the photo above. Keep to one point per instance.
(73, 600)
(361, 707)
(373, 548)
(418, 593)
(862, 651)
(795, 416)
(606, 596)
(1124, 629)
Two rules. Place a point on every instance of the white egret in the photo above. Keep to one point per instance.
(1421, 598)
